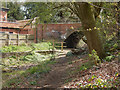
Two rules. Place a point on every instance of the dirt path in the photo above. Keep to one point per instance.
(59, 73)
(56, 77)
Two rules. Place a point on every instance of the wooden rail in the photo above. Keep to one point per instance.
(62, 46)
(16, 39)
(55, 42)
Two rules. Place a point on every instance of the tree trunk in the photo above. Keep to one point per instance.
(87, 18)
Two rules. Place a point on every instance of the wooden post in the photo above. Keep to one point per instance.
(36, 36)
(61, 46)
(53, 44)
(7, 40)
(26, 38)
(17, 39)
(42, 32)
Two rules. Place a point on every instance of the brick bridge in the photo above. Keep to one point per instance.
(57, 32)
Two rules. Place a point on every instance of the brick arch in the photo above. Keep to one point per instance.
(55, 31)
(73, 39)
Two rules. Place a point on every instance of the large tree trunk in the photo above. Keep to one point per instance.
(87, 18)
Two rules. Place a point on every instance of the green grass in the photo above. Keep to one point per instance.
(68, 80)
(43, 62)
(42, 68)
(13, 81)
(70, 62)
(10, 82)
(42, 46)
(85, 66)
(13, 73)
(33, 83)
(13, 48)
(26, 59)
(23, 47)
(82, 67)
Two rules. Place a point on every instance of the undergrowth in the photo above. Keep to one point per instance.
(40, 63)
(24, 47)
(42, 68)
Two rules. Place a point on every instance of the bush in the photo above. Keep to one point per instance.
(109, 58)
(69, 54)
(94, 57)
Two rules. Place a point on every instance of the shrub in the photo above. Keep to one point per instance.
(94, 57)
(109, 58)
(69, 54)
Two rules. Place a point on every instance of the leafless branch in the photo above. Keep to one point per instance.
(28, 23)
(99, 6)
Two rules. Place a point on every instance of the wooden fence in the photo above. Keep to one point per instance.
(60, 44)
(15, 39)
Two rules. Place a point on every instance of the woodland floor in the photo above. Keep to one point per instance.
(66, 73)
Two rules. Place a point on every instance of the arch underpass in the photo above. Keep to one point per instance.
(73, 38)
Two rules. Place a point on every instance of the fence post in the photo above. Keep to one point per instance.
(7, 40)
(26, 38)
(17, 39)
(61, 46)
(53, 44)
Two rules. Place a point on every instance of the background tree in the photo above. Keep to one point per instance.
(50, 12)
(15, 11)
(41, 10)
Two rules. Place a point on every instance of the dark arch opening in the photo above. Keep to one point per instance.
(73, 39)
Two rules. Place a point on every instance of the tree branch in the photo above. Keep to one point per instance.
(97, 9)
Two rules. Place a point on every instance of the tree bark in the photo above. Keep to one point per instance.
(87, 18)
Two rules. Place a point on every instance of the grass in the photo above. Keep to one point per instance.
(24, 47)
(70, 62)
(33, 82)
(13, 73)
(11, 82)
(42, 61)
(84, 66)
(42, 46)
(68, 80)
(13, 48)
(32, 58)
(42, 68)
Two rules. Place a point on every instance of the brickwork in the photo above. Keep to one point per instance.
(54, 31)
(3, 14)
(46, 31)
(15, 27)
